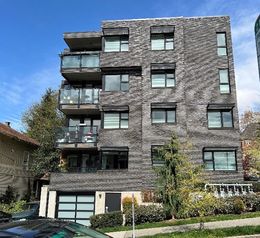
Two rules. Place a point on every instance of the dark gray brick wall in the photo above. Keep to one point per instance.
(197, 85)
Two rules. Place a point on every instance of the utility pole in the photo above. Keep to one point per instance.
(133, 214)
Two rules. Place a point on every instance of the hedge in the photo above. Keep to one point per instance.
(110, 219)
(145, 214)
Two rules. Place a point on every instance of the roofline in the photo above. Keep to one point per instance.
(36, 143)
(159, 18)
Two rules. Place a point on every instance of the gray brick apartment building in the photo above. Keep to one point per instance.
(126, 89)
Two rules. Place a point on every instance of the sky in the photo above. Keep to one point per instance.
(31, 38)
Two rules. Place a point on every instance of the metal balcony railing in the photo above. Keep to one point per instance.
(78, 61)
(79, 96)
(77, 134)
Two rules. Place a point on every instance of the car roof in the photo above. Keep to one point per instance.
(47, 227)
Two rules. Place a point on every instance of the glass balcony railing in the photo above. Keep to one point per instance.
(77, 134)
(80, 61)
(79, 96)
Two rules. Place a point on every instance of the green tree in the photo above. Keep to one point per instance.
(253, 152)
(177, 178)
(41, 121)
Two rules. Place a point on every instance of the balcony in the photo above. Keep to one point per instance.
(80, 66)
(80, 136)
(79, 101)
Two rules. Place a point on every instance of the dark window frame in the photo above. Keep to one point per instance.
(165, 72)
(121, 82)
(213, 158)
(222, 47)
(224, 83)
(164, 39)
(166, 115)
(121, 38)
(120, 120)
(116, 150)
(153, 154)
(221, 118)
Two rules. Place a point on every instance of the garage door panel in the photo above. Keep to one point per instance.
(89, 198)
(66, 214)
(84, 214)
(86, 206)
(67, 198)
(67, 206)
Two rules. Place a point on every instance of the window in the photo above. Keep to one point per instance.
(220, 118)
(162, 41)
(116, 43)
(163, 79)
(26, 159)
(155, 155)
(219, 159)
(117, 82)
(114, 159)
(115, 120)
(224, 81)
(221, 43)
(163, 115)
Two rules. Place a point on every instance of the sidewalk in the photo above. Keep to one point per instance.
(182, 228)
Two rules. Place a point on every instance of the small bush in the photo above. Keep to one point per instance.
(127, 203)
(145, 214)
(110, 219)
(9, 196)
(239, 205)
(13, 207)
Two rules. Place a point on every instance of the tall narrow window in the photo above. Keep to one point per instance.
(219, 159)
(224, 81)
(222, 44)
(117, 82)
(116, 43)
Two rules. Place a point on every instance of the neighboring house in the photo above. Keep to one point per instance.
(257, 39)
(15, 158)
(127, 88)
(248, 136)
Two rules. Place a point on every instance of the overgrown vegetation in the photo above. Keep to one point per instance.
(41, 121)
(110, 219)
(13, 206)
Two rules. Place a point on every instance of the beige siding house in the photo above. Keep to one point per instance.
(15, 158)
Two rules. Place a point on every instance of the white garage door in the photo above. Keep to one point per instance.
(76, 207)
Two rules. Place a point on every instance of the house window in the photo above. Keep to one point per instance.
(156, 156)
(116, 43)
(163, 115)
(163, 79)
(26, 159)
(116, 82)
(162, 41)
(221, 44)
(115, 120)
(114, 159)
(224, 81)
(220, 159)
(220, 118)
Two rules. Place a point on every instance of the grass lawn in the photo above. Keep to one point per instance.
(183, 221)
(224, 232)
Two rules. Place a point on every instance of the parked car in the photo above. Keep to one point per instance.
(5, 217)
(52, 228)
(31, 211)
